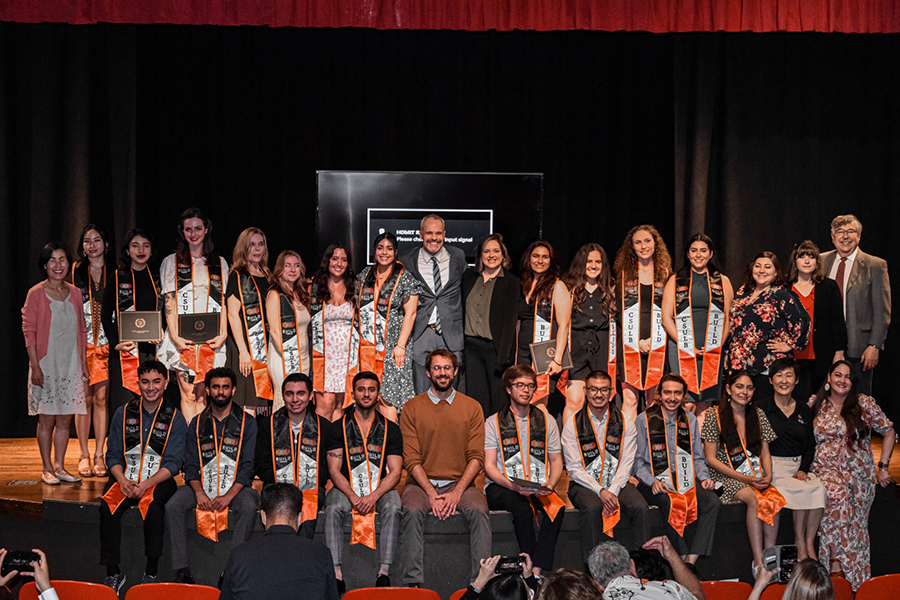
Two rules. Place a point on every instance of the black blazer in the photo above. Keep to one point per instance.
(829, 332)
(504, 301)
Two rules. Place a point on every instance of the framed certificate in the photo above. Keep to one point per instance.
(199, 328)
(140, 326)
(526, 484)
(543, 353)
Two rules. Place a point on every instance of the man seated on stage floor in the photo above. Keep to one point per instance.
(668, 439)
(297, 455)
(443, 451)
(365, 457)
(279, 564)
(218, 473)
(522, 442)
(144, 453)
(599, 445)
(614, 570)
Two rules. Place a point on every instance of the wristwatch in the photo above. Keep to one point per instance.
(882, 465)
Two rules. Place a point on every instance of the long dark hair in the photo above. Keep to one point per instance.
(806, 248)
(82, 267)
(575, 278)
(750, 283)
(728, 433)
(851, 412)
(712, 266)
(320, 279)
(543, 289)
(125, 257)
(182, 251)
(370, 276)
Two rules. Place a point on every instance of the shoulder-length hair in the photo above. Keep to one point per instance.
(805, 248)
(395, 268)
(300, 290)
(575, 278)
(182, 251)
(320, 279)
(545, 282)
(124, 256)
(728, 433)
(851, 412)
(712, 266)
(494, 237)
(810, 580)
(627, 260)
(240, 258)
(750, 283)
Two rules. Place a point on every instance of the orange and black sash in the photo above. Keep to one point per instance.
(199, 358)
(365, 460)
(219, 461)
(631, 335)
(296, 461)
(125, 302)
(318, 349)
(97, 342)
(715, 327)
(142, 461)
(291, 361)
(680, 476)
(255, 338)
(375, 308)
(601, 461)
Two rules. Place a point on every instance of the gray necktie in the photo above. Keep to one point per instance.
(438, 286)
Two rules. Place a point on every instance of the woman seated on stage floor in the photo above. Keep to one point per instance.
(287, 309)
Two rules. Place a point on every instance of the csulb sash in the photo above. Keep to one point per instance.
(199, 358)
(125, 302)
(97, 342)
(631, 335)
(768, 501)
(530, 465)
(545, 330)
(601, 461)
(319, 350)
(291, 361)
(715, 326)
(296, 461)
(681, 479)
(142, 461)
(365, 459)
(371, 344)
(218, 465)
(256, 339)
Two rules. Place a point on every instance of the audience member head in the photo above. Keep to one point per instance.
(700, 254)
(810, 580)
(441, 365)
(643, 242)
(290, 276)
(540, 266)
(737, 395)
(763, 272)
(137, 249)
(220, 383)
(194, 229)
(55, 260)
(590, 262)
(281, 504)
(297, 391)
(337, 263)
(806, 259)
(365, 390)
(492, 253)
(566, 584)
(432, 232)
(650, 565)
(251, 248)
(508, 586)
(846, 231)
(609, 560)
(841, 382)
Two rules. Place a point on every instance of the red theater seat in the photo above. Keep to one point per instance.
(71, 590)
(391, 593)
(884, 587)
(726, 590)
(171, 591)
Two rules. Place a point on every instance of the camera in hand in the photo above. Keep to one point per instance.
(18, 560)
(509, 564)
(783, 557)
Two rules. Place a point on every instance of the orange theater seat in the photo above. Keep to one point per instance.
(171, 591)
(71, 590)
(458, 594)
(726, 590)
(842, 589)
(879, 588)
(775, 591)
(391, 593)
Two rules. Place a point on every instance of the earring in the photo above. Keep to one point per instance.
(827, 386)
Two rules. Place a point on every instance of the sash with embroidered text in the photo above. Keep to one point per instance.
(125, 302)
(679, 478)
(320, 349)
(631, 336)
(199, 358)
(601, 461)
(295, 459)
(373, 322)
(365, 460)
(291, 361)
(97, 342)
(715, 326)
(256, 338)
(218, 465)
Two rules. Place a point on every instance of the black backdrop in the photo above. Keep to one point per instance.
(758, 139)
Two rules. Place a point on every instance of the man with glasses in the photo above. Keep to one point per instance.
(866, 289)
(523, 462)
(443, 451)
(599, 444)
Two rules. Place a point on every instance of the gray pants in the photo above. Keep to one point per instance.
(387, 508)
(241, 519)
(416, 506)
(708, 505)
(422, 347)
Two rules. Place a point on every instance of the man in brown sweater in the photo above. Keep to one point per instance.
(443, 451)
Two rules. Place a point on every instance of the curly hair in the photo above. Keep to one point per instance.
(851, 411)
(627, 261)
(320, 279)
(575, 278)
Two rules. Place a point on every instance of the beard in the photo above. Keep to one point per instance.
(442, 388)
(219, 402)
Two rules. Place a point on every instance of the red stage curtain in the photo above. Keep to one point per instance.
(659, 16)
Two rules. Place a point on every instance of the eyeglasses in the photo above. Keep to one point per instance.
(530, 387)
(439, 368)
(599, 390)
(846, 232)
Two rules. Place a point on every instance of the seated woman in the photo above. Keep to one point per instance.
(736, 436)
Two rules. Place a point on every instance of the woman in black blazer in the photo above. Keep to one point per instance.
(490, 293)
(821, 298)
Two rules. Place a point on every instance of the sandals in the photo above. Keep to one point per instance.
(100, 469)
(86, 466)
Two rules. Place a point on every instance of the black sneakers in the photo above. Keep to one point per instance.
(115, 582)
(183, 576)
(341, 586)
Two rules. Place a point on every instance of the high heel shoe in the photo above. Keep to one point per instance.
(100, 469)
(85, 466)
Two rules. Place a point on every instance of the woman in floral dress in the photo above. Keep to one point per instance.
(843, 424)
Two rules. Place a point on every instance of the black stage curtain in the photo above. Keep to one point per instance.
(760, 139)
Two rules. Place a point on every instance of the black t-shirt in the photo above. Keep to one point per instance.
(795, 433)
(393, 444)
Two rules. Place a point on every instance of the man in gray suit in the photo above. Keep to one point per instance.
(439, 321)
(866, 288)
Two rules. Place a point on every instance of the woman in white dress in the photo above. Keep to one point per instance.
(287, 309)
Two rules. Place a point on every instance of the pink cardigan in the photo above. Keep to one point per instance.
(36, 320)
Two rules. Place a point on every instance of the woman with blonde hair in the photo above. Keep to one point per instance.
(287, 312)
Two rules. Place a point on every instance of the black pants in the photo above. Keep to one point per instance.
(542, 549)
(154, 524)
(483, 377)
(588, 503)
(708, 505)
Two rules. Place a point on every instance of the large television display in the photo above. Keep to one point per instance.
(356, 206)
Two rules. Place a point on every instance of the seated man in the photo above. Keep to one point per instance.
(289, 448)
(280, 563)
(672, 471)
(144, 453)
(443, 451)
(365, 456)
(599, 444)
(522, 442)
(218, 473)
(611, 566)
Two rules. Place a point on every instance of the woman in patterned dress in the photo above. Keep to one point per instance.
(843, 424)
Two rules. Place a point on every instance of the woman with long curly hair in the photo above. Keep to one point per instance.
(643, 266)
(287, 310)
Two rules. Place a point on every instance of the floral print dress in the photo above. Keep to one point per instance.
(848, 472)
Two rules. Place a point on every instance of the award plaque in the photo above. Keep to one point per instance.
(543, 353)
(199, 328)
(140, 326)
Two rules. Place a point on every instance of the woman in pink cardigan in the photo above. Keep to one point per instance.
(56, 341)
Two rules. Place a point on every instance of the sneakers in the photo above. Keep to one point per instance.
(115, 582)
(383, 581)
(148, 578)
(183, 576)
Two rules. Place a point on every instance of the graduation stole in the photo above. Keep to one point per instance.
(125, 302)
(531, 464)
(679, 478)
(256, 339)
(296, 461)
(198, 358)
(715, 325)
(545, 329)
(218, 465)
(291, 361)
(768, 502)
(97, 342)
(318, 350)
(365, 459)
(142, 461)
(601, 461)
(374, 306)
(631, 335)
